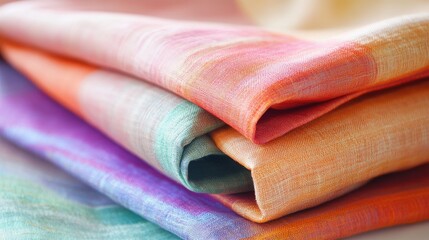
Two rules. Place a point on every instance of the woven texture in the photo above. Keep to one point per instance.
(166, 131)
(262, 84)
(40, 201)
(378, 133)
(76, 147)
(315, 163)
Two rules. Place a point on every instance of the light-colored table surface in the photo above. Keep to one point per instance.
(406, 232)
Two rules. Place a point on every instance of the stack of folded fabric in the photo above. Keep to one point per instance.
(191, 122)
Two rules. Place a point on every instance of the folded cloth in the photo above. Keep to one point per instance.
(376, 134)
(261, 83)
(40, 201)
(167, 131)
(76, 147)
(319, 161)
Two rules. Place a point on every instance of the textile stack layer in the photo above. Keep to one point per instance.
(79, 149)
(185, 120)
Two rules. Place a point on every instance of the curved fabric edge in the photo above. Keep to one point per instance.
(353, 62)
(157, 126)
(361, 55)
(214, 172)
(375, 134)
(79, 149)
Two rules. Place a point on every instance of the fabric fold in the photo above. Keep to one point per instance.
(378, 133)
(317, 162)
(68, 142)
(167, 131)
(263, 84)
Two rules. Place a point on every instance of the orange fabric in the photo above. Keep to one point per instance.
(400, 198)
(310, 165)
(376, 134)
(65, 93)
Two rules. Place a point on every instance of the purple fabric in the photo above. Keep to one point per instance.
(35, 122)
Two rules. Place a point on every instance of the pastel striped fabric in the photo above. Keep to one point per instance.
(298, 170)
(173, 140)
(40, 201)
(263, 84)
(278, 135)
(76, 147)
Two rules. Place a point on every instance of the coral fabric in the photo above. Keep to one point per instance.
(68, 142)
(308, 166)
(263, 84)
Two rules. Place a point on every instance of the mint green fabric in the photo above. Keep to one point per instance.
(39, 201)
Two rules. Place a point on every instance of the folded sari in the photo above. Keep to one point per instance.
(40, 201)
(76, 147)
(263, 84)
(319, 161)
